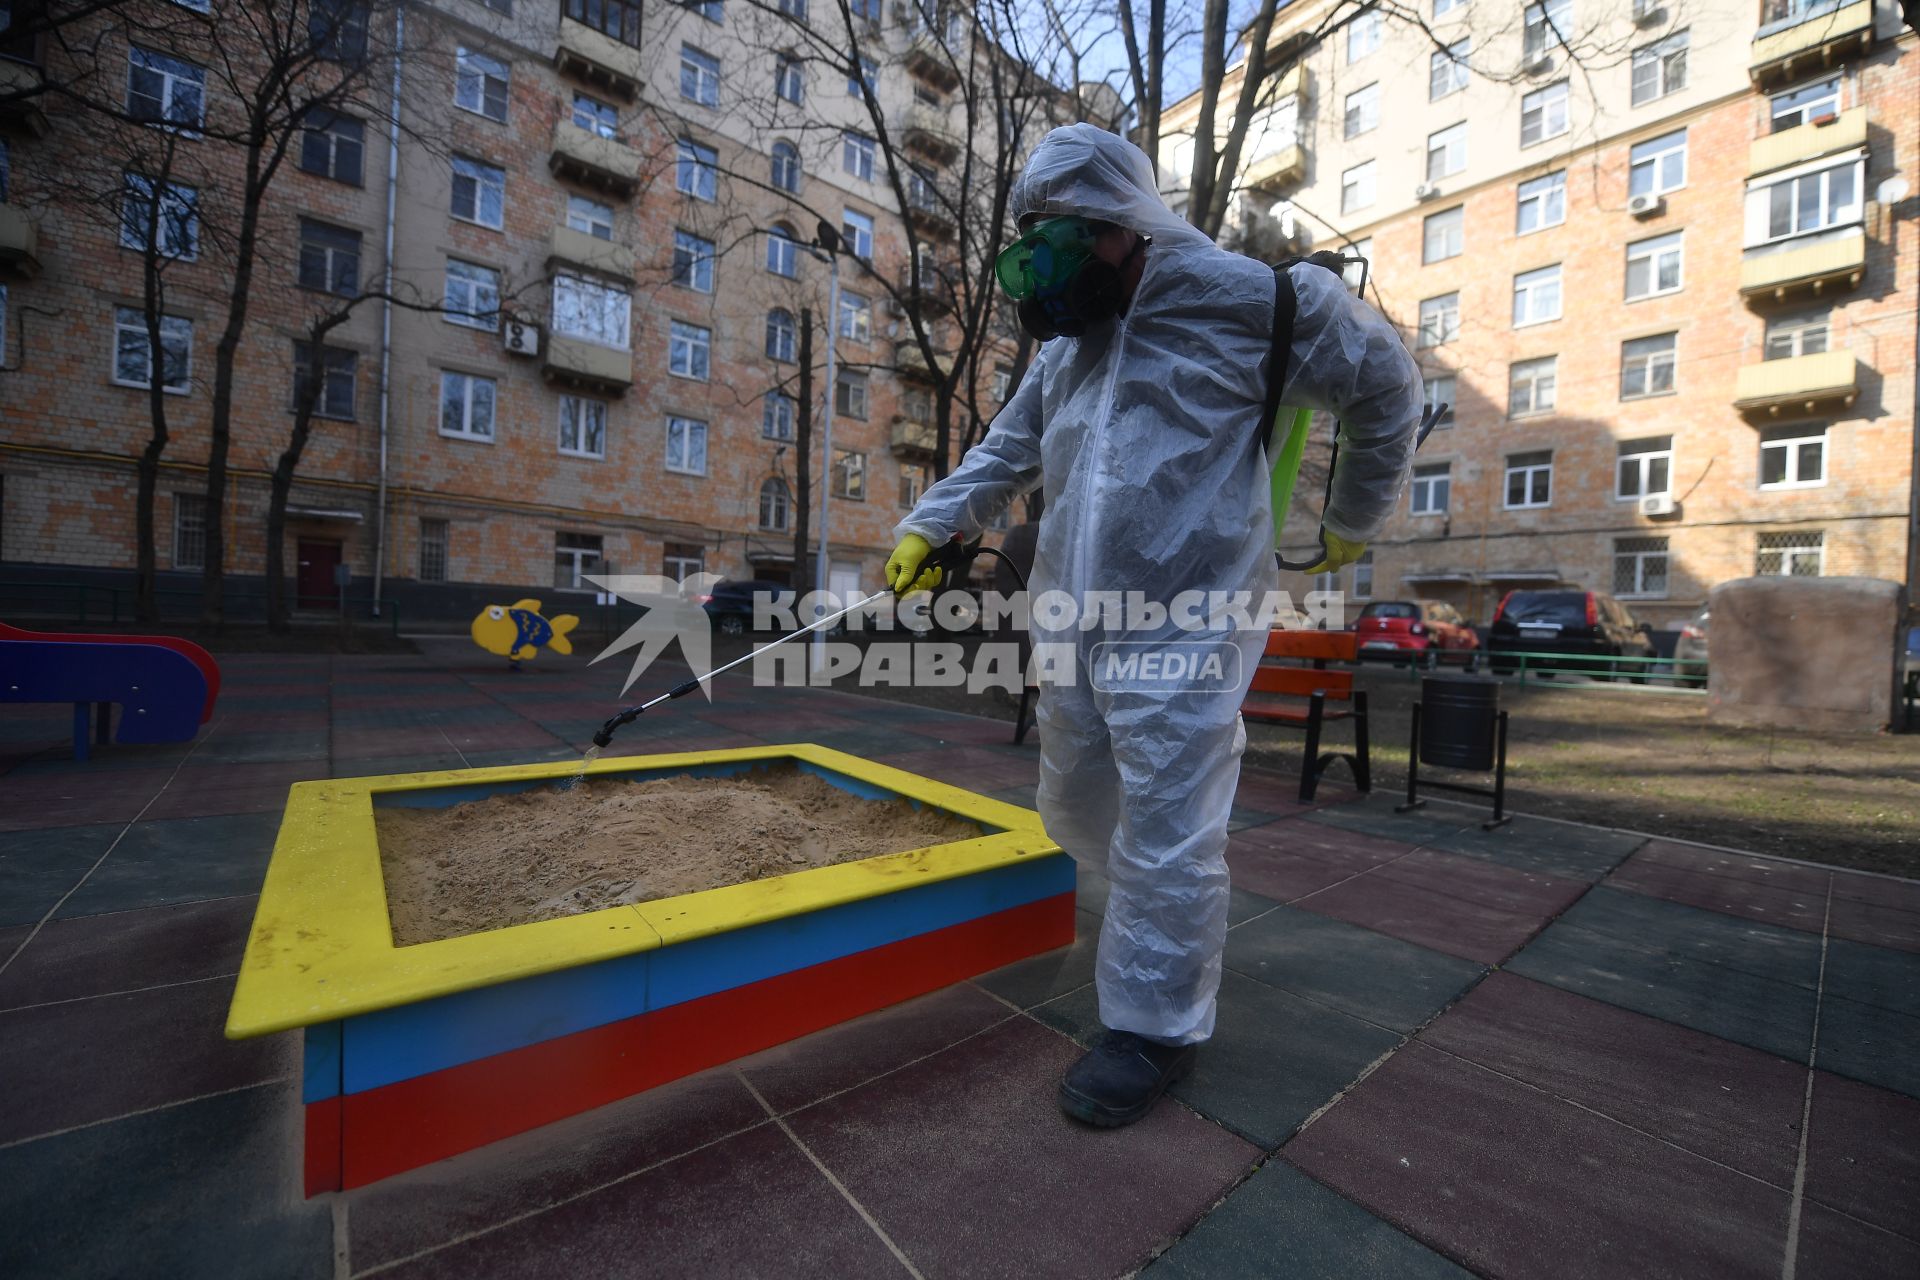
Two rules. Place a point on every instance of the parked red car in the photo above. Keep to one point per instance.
(1426, 631)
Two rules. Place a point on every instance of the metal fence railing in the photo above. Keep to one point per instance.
(91, 604)
(1523, 666)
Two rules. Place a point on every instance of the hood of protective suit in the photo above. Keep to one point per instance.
(1084, 171)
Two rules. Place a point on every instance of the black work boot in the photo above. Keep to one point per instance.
(1121, 1077)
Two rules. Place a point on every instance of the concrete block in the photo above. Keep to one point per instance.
(1806, 653)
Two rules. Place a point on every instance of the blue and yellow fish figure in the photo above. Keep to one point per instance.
(517, 631)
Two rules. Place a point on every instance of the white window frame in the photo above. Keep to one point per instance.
(320, 238)
(776, 498)
(1548, 195)
(689, 351)
(1657, 251)
(686, 447)
(867, 79)
(174, 77)
(856, 154)
(1430, 491)
(1537, 296)
(1821, 172)
(132, 323)
(777, 415)
(850, 474)
(696, 170)
(1450, 145)
(1791, 447)
(1799, 329)
(682, 566)
(1641, 553)
(467, 382)
(471, 298)
(1363, 35)
(785, 165)
(1359, 187)
(856, 229)
(915, 479)
(1648, 362)
(329, 360)
(580, 561)
(699, 70)
(583, 421)
(602, 119)
(1632, 457)
(783, 253)
(856, 317)
(1540, 378)
(591, 310)
(1363, 576)
(1450, 226)
(1443, 306)
(1804, 103)
(1551, 108)
(1545, 27)
(789, 79)
(782, 336)
(178, 220)
(1352, 274)
(474, 72)
(1659, 69)
(1658, 165)
(696, 254)
(1361, 113)
(1812, 545)
(487, 179)
(859, 394)
(590, 217)
(1528, 469)
(1441, 388)
(1449, 69)
(1443, 7)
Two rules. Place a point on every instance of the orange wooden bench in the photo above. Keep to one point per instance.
(1286, 692)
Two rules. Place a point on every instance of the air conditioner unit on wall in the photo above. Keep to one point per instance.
(521, 338)
(1657, 504)
(1646, 206)
(1425, 191)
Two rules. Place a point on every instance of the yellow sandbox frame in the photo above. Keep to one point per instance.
(322, 944)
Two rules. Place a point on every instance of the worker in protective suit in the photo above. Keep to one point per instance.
(1138, 417)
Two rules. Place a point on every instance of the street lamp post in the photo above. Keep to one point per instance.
(827, 239)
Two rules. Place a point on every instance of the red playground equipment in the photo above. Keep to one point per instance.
(165, 686)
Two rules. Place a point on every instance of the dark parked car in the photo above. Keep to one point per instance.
(1570, 624)
(731, 604)
(1423, 631)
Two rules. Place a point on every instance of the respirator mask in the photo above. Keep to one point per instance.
(1061, 287)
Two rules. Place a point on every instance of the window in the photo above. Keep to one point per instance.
(189, 530)
(1447, 69)
(329, 258)
(1002, 382)
(590, 216)
(590, 309)
(337, 29)
(1813, 101)
(1536, 296)
(688, 348)
(1439, 320)
(1639, 567)
(856, 317)
(795, 9)
(1653, 266)
(165, 90)
(1543, 114)
(336, 372)
(711, 10)
(1353, 275)
(1799, 555)
(869, 12)
(1531, 386)
(857, 230)
(783, 254)
(1658, 165)
(774, 504)
(1801, 333)
(788, 81)
(1542, 203)
(914, 480)
(856, 155)
(466, 406)
(693, 262)
(776, 416)
(1793, 457)
(1547, 26)
(174, 216)
(617, 18)
(433, 551)
(868, 75)
(687, 446)
(1442, 7)
(1529, 479)
(1363, 111)
(850, 394)
(1660, 68)
(1643, 467)
(332, 146)
(1446, 152)
(583, 427)
(699, 76)
(850, 474)
(596, 117)
(1440, 389)
(682, 560)
(479, 192)
(1646, 366)
(1809, 199)
(133, 353)
(480, 84)
(472, 296)
(780, 335)
(786, 166)
(916, 405)
(575, 555)
(1363, 35)
(696, 170)
(1356, 187)
(1363, 576)
(1445, 235)
(1427, 494)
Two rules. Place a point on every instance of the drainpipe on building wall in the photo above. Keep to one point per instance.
(386, 309)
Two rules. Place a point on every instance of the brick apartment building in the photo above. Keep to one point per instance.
(1650, 254)
(610, 211)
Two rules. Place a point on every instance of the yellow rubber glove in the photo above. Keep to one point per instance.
(1340, 553)
(903, 566)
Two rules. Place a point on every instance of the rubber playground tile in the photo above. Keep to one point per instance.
(1758, 889)
(82, 1061)
(1026, 795)
(1038, 979)
(752, 1205)
(1870, 1016)
(521, 755)
(1776, 873)
(965, 1160)
(426, 1208)
(1835, 1247)
(1863, 1153)
(1714, 1098)
(1512, 1181)
(211, 791)
(1373, 815)
(1361, 973)
(420, 762)
(1280, 1222)
(38, 867)
(63, 800)
(96, 955)
(228, 746)
(806, 1070)
(1741, 980)
(1884, 923)
(207, 1188)
(179, 860)
(1535, 844)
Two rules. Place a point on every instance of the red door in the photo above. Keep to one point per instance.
(314, 587)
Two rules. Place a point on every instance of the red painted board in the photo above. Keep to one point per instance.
(322, 1156)
(413, 1122)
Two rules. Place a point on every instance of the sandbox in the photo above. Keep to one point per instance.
(420, 1051)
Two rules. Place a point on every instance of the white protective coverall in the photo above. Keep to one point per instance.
(1142, 434)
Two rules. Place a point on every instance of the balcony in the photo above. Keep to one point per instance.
(1801, 384)
(909, 363)
(578, 249)
(1275, 173)
(1798, 38)
(1828, 266)
(1844, 132)
(919, 441)
(930, 218)
(927, 60)
(928, 294)
(19, 243)
(588, 158)
(929, 132)
(587, 366)
(20, 98)
(599, 59)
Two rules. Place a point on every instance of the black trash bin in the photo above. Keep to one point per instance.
(1457, 716)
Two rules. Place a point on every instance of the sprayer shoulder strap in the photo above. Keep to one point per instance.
(1280, 353)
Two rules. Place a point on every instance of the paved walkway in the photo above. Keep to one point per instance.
(1549, 1051)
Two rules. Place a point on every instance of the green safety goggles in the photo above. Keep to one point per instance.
(1045, 258)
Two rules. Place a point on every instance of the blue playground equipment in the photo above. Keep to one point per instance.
(166, 687)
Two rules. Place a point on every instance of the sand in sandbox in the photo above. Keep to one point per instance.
(537, 855)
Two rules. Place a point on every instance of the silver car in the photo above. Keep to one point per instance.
(1690, 651)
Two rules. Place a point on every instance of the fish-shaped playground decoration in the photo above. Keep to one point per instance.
(518, 632)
